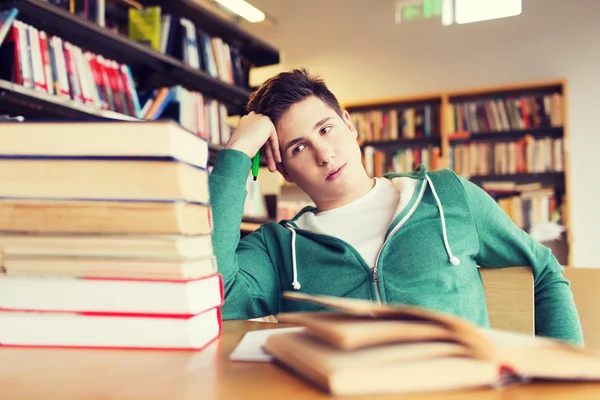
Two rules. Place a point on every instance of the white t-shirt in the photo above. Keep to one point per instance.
(364, 222)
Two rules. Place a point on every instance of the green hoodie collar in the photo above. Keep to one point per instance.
(418, 173)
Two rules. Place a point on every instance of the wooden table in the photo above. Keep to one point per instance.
(207, 375)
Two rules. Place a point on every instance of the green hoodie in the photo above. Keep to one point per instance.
(429, 258)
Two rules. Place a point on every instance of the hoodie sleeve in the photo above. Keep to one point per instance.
(502, 243)
(249, 276)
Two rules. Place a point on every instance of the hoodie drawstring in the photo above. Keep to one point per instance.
(295, 284)
(453, 259)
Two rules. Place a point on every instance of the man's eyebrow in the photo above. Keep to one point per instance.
(321, 122)
(297, 140)
(293, 142)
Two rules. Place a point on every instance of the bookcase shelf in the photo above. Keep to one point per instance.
(16, 99)
(554, 179)
(404, 143)
(556, 132)
(497, 129)
(142, 59)
(150, 73)
(22, 100)
(253, 49)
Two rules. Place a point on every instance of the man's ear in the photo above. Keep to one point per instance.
(348, 122)
(284, 172)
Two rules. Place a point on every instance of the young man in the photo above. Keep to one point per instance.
(407, 238)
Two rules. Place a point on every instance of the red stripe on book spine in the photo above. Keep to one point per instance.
(112, 314)
(92, 278)
(116, 348)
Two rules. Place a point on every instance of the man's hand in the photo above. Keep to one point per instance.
(253, 132)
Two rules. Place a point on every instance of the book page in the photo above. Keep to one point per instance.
(513, 340)
(250, 347)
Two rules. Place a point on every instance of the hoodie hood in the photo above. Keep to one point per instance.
(411, 185)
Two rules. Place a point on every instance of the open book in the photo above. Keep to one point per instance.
(361, 348)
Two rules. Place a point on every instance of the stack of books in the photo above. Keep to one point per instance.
(360, 348)
(105, 233)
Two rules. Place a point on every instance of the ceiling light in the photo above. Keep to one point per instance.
(468, 11)
(243, 9)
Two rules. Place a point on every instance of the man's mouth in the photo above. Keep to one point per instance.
(336, 173)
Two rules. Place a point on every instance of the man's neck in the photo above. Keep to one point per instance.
(360, 189)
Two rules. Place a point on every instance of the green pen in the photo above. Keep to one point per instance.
(255, 164)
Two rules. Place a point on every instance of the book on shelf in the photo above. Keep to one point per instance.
(93, 256)
(512, 142)
(393, 123)
(357, 347)
(398, 137)
(184, 39)
(505, 113)
(91, 10)
(196, 49)
(144, 26)
(529, 205)
(50, 64)
(6, 19)
(377, 162)
(526, 155)
(175, 35)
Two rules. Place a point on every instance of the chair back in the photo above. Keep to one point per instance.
(510, 298)
(585, 285)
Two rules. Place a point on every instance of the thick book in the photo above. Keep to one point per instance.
(102, 179)
(119, 246)
(106, 217)
(357, 347)
(110, 139)
(114, 296)
(103, 330)
(109, 267)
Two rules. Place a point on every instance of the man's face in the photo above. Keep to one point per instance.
(319, 150)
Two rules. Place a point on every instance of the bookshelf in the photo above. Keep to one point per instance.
(143, 60)
(397, 134)
(252, 48)
(14, 98)
(509, 139)
(150, 70)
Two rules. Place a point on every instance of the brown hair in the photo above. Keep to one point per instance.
(276, 95)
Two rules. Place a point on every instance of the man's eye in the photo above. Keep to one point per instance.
(325, 129)
(298, 149)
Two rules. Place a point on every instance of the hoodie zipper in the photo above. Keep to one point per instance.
(396, 228)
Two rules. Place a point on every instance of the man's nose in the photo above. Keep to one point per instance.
(325, 153)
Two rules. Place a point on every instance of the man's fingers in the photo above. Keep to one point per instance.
(274, 141)
(270, 160)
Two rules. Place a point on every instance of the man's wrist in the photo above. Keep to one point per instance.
(233, 164)
(236, 146)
